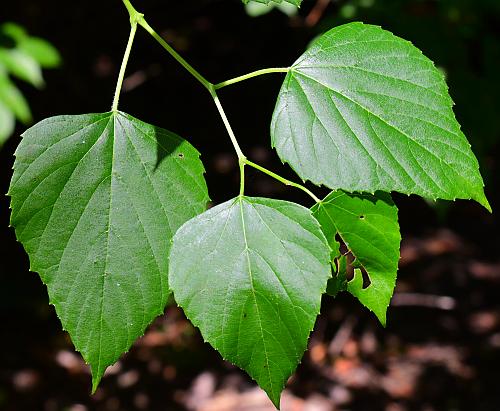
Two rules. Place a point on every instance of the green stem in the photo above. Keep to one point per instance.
(121, 75)
(131, 10)
(236, 146)
(241, 157)
(251, 75)
(242, 162)
(283, 180)
(138, 18)
(144, 24)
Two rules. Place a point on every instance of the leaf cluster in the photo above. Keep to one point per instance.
(111, 210)
(21, 56)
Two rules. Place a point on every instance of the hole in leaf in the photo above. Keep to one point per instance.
(180, 155)
(366, 279)
(361, 217)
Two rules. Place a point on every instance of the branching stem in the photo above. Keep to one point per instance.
(251, 75)
(137, 18)
(283, 180)
(143, 23)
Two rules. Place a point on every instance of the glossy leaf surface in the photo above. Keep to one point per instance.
(250, 274)
(363, 110)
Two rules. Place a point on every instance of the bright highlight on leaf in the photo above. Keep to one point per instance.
(368, 224)
(13, 100)
(363, 110)
(95, 201)
(250, 274)
(294, 2)
(7, 123)
(22, 65)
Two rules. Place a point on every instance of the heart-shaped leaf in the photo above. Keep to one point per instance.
(250, 274)
(364, 110)
(95, 201)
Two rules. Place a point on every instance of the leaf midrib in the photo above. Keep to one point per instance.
(255, 296)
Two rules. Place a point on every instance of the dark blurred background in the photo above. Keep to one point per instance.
(441, 349)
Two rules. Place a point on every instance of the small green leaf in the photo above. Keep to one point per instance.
(14, 31)
(250, 274)
(369, 227)
(95, 201)
(22, 65)
(293, 2)
(258, 9)
(364, 110)
(7, 123)
(12, 98)
(42, 51)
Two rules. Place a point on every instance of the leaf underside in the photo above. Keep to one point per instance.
(95, 201)
(250, 274)
(368, 224)
(363, 110)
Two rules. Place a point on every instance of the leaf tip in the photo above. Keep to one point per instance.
(275, 398)
(382, 317)
(96, 379)
(482, 200)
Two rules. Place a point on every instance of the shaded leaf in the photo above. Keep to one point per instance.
(369, 227)
(250, 273)
(14, 31)
(338, 282)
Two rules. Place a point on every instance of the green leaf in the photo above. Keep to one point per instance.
(368, 224)
(96, 199)
(363, 110)
(12, 98)
(250, 273)
(294, 2)
(39, 49)
(22, 65)
(14, 31)
(338, 282)
(7, 123)
(258, 9)
(42, 51)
